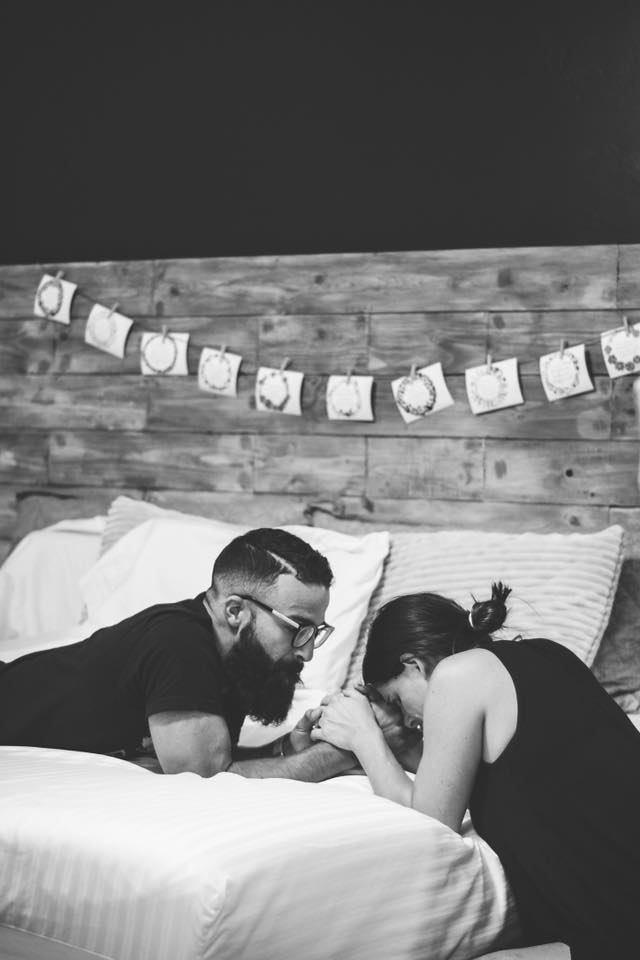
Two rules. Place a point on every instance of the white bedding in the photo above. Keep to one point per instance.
(105, 856)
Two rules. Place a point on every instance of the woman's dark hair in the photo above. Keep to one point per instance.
(429, 627)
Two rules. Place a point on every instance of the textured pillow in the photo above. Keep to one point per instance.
(617, 664)
(125, 513)
(171, 557)
(563, 584)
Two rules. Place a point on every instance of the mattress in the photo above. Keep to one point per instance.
(102, 856)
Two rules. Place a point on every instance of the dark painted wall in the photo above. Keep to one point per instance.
(336, 125)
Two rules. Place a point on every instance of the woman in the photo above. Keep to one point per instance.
(522, 734)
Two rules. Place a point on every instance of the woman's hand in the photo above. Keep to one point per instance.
(403, 741)
(345, 719)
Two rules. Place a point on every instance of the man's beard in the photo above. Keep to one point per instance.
(263, 686)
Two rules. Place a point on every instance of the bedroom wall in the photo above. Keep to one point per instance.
(78, 426)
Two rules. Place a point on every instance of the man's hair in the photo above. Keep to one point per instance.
(261, 556)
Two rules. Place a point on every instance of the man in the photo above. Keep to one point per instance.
(186, 674)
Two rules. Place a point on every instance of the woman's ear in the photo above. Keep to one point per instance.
(412, 663)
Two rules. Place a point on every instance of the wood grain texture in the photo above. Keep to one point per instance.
(26, 346)
(91, 402)
(143, 460)
(296, 464)
(424, 467)
(562, 472)
(23, 457)
(629, 518)
(8, 512)
(503, 279)
(247, 509)
(628, 286)
(128, 283)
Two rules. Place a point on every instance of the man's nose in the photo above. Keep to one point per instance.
(305, 653)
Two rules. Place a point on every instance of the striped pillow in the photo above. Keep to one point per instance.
(563, 584)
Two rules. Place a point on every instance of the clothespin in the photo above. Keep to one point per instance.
(59, 274)
(489, 360)
(563, 347)
(625, 323)
(412, 375)
(349, 374)
(164, 332)
(222, 351)
(285, 363)
(112, 311)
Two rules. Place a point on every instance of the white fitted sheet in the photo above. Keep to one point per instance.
(107, 857)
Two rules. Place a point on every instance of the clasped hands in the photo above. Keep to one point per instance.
(346, 718)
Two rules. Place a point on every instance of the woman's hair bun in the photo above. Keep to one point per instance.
(489, 615)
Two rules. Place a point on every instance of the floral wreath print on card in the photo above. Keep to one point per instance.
(278, 390)
(493, 386)
(421, 393)
(564, 373)
(349, 397)
(164, 354)
(53, 298)
(107, 330)
(218, 371)
(621, 349)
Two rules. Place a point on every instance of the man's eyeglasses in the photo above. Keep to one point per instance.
(305, 632)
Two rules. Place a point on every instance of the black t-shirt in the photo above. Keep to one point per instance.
(560, 805)
(97, 695)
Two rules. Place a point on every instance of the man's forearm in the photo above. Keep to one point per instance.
(318, 762)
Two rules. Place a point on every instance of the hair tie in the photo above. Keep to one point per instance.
(471, 623)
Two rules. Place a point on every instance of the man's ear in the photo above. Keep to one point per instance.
(236, 612)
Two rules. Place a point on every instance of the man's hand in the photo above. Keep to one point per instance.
(299, 738)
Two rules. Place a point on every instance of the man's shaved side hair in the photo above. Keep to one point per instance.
(260, 556)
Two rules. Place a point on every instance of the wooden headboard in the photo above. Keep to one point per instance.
(78, 426)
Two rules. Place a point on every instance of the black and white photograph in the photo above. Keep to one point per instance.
(320, 481)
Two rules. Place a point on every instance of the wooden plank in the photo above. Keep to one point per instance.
(561, 472)
(419, 467)
(522, 278)
(628, 288)
(8, 512)
(53, 402)
(248, 509)
(317, 343)
(127, 282)
(23, 457)
(73, 355)
(296, 464)
(175, 403)
(5, 549)
(629, 518)
(360, 514)
(144, 460)
(26, 346)
(624, 415)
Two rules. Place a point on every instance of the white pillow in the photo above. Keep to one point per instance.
(563, 584)
(171, 558)
(39, 594)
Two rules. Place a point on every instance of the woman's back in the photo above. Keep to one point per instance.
(560, 805)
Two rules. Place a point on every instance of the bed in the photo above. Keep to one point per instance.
(101, 857)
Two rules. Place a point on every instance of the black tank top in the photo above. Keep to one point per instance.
(561, 806)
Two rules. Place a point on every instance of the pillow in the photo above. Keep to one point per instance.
(39, 594)
(125, 513)
(617, 664)
(170, 557)
(563, 584)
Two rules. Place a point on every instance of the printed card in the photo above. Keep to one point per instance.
(349, 398)
(53, 299)
(279, 391)
(107, 330)
(493, 386)
(421, 393)
(621, 350)
(218, 372)
(564, 373)
(164, 354)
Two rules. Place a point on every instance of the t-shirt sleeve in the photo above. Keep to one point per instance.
(177, 668)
